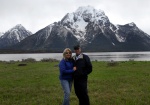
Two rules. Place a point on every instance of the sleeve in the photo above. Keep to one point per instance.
(88, 64)
(74, 63)
(62, 68)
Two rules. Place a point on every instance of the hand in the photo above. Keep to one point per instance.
(74, 68)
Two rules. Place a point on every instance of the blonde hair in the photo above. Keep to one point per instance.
(64, 52)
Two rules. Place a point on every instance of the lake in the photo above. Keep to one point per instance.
(99, 56)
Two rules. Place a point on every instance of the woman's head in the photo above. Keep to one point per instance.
(67, 53)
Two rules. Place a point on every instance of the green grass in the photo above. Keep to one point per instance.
(127, 83)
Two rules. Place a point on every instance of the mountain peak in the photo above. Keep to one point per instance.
(85, 8)
(89, 9)
(132, 24)
(18, 26)
(90, 12)
(79, 20)
(86, 13)
(16, 34)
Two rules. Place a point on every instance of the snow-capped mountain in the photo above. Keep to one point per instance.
(13, 36)
(91, 29)
(95, 32)
(78, 21)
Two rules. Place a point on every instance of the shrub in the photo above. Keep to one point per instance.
(29, 60)
(49, 60)
(112, 63)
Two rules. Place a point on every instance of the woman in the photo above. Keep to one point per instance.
(66, 68)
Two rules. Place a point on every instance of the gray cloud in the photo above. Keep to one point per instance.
(36, 14)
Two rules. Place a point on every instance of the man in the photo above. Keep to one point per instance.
(83, 68)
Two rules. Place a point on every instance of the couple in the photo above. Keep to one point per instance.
(75, 68)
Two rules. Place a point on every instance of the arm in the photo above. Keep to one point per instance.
(88, 64)
(62, 68)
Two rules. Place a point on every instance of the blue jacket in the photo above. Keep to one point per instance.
(66, 69)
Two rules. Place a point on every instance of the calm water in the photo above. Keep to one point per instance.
(99, 56)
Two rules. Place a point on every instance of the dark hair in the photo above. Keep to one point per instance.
(76, 47)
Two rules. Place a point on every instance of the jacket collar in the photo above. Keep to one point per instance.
(75, 57)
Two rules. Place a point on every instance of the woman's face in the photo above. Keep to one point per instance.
(67, 54)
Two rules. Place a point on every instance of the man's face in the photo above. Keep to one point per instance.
(78, 51)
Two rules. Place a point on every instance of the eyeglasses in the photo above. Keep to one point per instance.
(68, 53)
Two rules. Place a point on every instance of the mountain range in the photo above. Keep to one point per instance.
(86, 26)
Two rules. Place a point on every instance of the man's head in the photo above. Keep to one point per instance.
(77, 49)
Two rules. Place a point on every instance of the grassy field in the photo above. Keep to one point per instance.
(126, 83)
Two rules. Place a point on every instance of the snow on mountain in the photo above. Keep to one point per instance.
(1, 34)
(17, 33)
(13, 36)
(132, 24)
(44, 34)
(121, 31)
(49, 30)
(119, 37)
(91, 14)
(78, 20)
(88, 18)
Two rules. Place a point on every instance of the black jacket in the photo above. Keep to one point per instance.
(83, 64)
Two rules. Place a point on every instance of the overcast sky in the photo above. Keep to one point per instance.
(37, 14)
